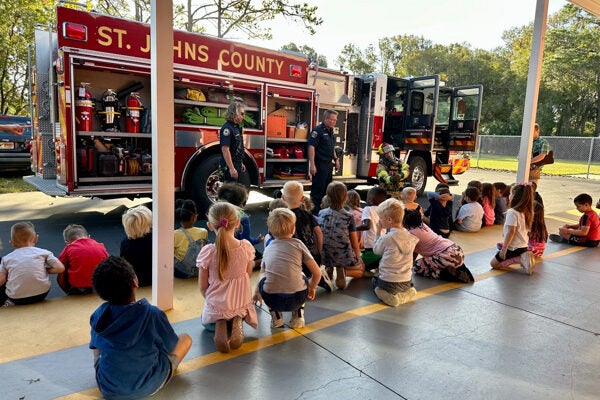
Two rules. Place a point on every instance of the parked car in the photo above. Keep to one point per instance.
(15, 150)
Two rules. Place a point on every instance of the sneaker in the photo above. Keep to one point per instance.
(463, 274)
(8, 303)
(528, 262)
(297, 320)
(387, 297)
(221, 338)
(276, 319)
(340, 279)
(405, 297)
(325, 281)
(556, 238)
(237, 333)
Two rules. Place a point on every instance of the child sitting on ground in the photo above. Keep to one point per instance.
(188, 240)
(237, 194)
(518, 222)
(587, 232)
(538, 234)
(224, 278)
(136, 350)
(307, 229)
(340, 240)
(80, 257)
(470, 214)
(501, 203)
(441, 258)
(394, 284)
(440, 210)
(488, 203)
(24, 271)
(283, 286)
(368, 227)
(136, 248)
(353, 205)
(273, 204)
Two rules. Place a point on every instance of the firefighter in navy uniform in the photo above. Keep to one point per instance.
(391, 171)
(232, 145)
(321, 153)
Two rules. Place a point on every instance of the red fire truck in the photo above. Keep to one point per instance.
(91, 95)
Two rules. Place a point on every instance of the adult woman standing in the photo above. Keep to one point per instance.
(232, 145)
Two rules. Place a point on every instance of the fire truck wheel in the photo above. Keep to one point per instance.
(206, 181)
(418, 174)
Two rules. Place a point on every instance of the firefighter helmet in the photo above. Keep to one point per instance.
(384, 148)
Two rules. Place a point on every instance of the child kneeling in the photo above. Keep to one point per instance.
(283, 286)
(394, 285)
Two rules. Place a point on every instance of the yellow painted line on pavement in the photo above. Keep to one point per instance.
(289, 334)
(565, 220)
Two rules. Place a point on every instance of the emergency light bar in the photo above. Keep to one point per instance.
(75, 31)
(295, 71)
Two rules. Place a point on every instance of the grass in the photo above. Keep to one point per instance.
(14, 183)
(560, 167)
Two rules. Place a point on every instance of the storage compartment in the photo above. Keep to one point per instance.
(276, 126)
(301, 133)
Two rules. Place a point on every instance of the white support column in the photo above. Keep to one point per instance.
(163, 153)
(533, 86)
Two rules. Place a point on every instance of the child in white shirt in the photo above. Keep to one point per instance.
(393, 286)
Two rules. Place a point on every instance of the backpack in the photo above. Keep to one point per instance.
(187, 268)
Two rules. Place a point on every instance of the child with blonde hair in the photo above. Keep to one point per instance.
(394, 285)
(340, 239)
(224, 278)
(137, 247)
(273, 204)
(518, 222)
(283, 286)
(307, 229)
(24, 271)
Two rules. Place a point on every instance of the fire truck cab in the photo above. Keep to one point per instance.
(432, 127)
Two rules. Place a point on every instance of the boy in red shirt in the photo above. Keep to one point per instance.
(80, 256)
(587, 232)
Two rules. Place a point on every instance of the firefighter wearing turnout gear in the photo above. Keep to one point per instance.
(232, 145)
(391, 171)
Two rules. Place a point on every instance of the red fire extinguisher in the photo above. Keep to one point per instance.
(132, 113)
(84, 108)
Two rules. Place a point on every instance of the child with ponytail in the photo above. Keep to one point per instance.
(224, 278)
(518, 222)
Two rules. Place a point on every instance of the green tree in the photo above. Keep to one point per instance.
(246, 16)
(355, 60)
(308, 51)
(572, 72)
(19, 19)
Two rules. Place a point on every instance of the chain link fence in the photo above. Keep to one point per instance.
(573, 156)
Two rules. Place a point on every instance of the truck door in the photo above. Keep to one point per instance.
(465, 114)
(421, 110)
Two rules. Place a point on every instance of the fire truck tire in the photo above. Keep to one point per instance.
(206, 181)
(418, 174)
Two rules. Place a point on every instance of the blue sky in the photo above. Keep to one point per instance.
(477, 22)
